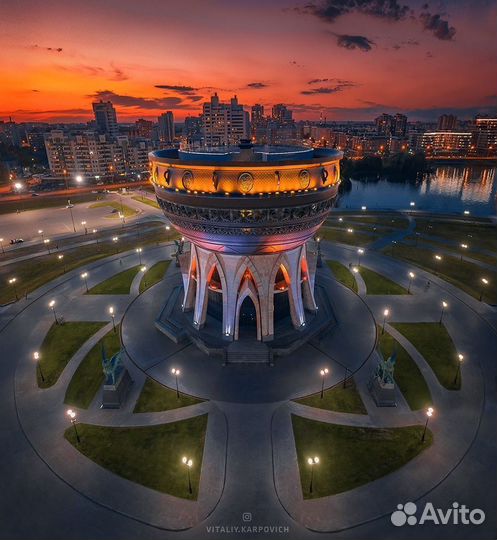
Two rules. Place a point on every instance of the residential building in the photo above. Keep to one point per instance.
(224, 124)
(106, 118)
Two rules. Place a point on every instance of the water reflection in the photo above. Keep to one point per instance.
(450, 188)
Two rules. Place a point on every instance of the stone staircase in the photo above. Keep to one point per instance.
(248, 352)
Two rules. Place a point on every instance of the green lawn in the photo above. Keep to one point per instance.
(89, 376)
(117, 284)
(150, 456)
(153, 275)
(394, 221)
(378, 284)
(462, 274)
(146, 200)
(60, 344)
(34, 273)
(154, 398)
(407, 375)
(354, 238)
(116, 207)
(36, 203)
(338, 398)
(343, 274)
(351, 456)
(482, 235)
(436, 346)
(426, 242)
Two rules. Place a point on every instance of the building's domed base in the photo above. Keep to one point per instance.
(344, 345)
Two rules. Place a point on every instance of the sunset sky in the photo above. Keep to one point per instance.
(344, 59)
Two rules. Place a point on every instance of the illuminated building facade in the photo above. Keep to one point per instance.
(248, 213)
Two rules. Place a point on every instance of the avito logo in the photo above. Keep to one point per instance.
(457, 514)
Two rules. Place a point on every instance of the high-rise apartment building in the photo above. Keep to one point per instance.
(484, 138)
(166, 127)
(389, 125)
(447, 122)
(106, 118)
(399, 125)
(224, 124)
(282, 114)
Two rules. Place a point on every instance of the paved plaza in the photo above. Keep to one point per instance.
(50, 490)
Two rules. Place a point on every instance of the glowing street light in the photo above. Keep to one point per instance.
(40, 232)
(115, 239)
(429, 414)
(484, 282)
(438, 257)
(168, 228)
(312, 461)
(36, 356)
(363, 208)
(323, 373)
(61, 259)
(47, 244)
(143, 269)
(51, 305)
(411, 277)
(176, 372)
(466, 212)
(350, 230)
(463, 247)
(355, 269)
(84, 276)
(360, 252)
(83, 224)
(444, 307)
(1, 245)
(460, 359)
(79, 179)
(412, 204)
(139, 251)
(386, 313)
(113, 317)
(13, 281)
(188, 462)
(72, 417)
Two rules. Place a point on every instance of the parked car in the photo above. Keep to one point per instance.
(16, 241)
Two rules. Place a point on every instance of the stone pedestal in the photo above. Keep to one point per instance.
(383, 393)
(114, 394)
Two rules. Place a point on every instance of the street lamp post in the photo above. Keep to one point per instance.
(72, 416)
(40, 232)
(484, 282)
(323, 373)
(143, 269)
(168, 229)
(83, 224)
(51, 305)
(463, 247)
(13, 281)
(139, 251)
(69, 205)
(386, 313)
(360, 252)
(444, 307)
(84, 276)
(188, 463)
(61, 258)
(460, 359)
(47, 244)
(176, 372)
(312, 462)
(113, 316)
(115, 239)
(36, 356)
(1, 245)
(429, 414)
(411, 277)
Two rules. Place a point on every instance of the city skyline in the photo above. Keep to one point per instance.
(339, 59)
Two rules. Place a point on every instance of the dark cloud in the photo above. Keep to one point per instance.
(181, 89)
(354, 42)
(331, 10)
(408, 43)
(331, 80)
(49, 49)
(438, 26)
(168, 102)
(328, 89)
(295, 63)
(257, 85)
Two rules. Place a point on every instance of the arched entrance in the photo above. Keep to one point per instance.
(247, 323)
